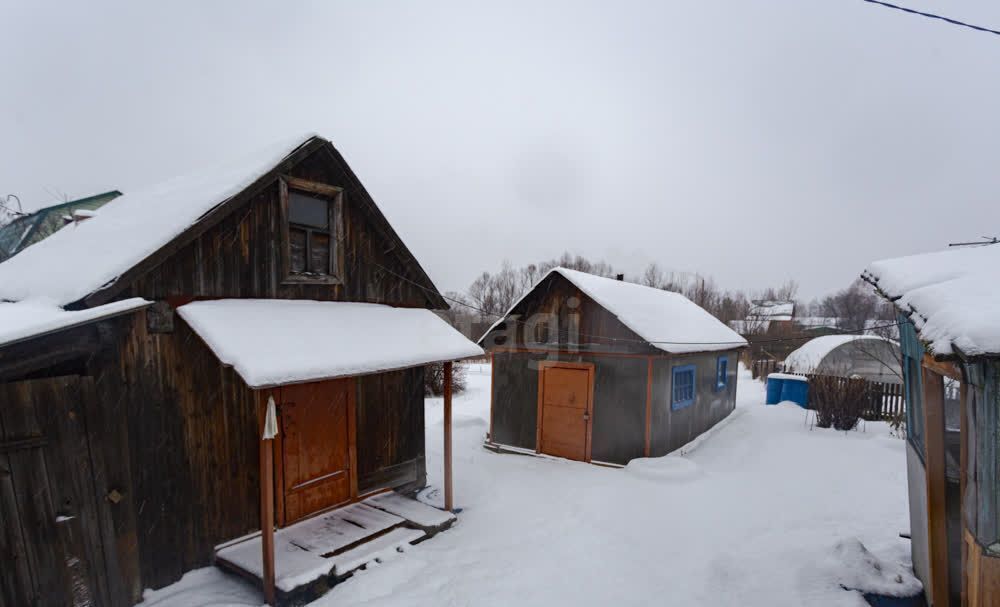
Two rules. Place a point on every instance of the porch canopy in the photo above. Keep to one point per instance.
(272, 342)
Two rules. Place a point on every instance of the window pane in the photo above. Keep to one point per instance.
(319, 253)
(308, 210)
(297, 250)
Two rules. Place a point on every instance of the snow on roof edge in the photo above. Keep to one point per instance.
(154, 215)
(273, 353)
(53, 319)
(672, 347)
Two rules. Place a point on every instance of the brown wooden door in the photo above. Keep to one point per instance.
(317, 425)
(51, 549)
(565, 407)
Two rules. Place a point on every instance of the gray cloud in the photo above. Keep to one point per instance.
(751, 141)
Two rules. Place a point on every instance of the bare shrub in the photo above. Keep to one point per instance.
(434, 379)
(838, 402)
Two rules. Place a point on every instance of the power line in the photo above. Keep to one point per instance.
(933, 16)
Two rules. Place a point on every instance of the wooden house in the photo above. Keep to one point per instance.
(604, 371)
(216, 369)
(949, 315)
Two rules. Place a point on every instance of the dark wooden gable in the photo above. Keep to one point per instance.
(573, 313)
(238, 249)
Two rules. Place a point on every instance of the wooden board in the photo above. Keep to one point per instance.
(51, 545)
(307, 550)
(315, 447)
(565, 407)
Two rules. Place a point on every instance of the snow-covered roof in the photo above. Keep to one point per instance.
(272, 342)
(667, 320)
(951, 296)
(772, 310)
(807, 357)
(39, 316)
(85, 256)
(818, 322)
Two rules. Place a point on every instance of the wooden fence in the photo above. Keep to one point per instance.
(763, 367)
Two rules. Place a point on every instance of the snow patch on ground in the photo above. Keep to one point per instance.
(765, 512)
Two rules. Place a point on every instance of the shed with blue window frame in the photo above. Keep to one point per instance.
(948, 304)
(600, 370)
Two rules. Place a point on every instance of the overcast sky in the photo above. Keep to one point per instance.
(751, 141)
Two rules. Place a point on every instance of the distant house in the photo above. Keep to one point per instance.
(227, 368)
(868, 357)
(600, 370)
(765, 316)
(26, 230)
(949, 314)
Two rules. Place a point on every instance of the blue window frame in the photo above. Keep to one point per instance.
(683, 387)
(721, 373)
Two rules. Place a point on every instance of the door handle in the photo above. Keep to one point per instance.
(586, 417)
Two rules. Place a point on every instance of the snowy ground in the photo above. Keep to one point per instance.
(764, 511)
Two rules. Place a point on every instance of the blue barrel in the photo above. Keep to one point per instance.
(796, 391)
(774, 385)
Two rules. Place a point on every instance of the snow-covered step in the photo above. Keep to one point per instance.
(314, 554)
(379, 548)
(416, 512)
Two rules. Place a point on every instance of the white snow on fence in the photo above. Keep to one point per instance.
(667, 320)
(952, 295)
(39, 316)
(273, 341)
(85, 256)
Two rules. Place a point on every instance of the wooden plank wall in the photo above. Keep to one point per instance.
(192, 441)
(241, 256)
(390, 433)
(50, 541)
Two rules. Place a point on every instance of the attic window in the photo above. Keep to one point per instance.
(313, 235)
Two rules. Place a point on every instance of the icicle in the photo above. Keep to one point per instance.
(271, 420)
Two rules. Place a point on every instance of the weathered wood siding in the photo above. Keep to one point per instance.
(241, 256)
(390, 434)
(173, 434)
(50, 510)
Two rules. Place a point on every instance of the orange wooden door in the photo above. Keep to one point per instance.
(316, 420)
(565, 411)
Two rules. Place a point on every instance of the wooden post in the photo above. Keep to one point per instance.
(449, 498)
(267, 510)
(937, 531)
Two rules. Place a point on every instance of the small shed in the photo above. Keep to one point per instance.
(224, 368)
(866, 356)
(601, 370)
(949, 323)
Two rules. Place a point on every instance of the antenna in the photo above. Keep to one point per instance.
(985, 240)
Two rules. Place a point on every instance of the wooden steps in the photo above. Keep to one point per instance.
(313, 555)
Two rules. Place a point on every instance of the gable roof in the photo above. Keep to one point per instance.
(668, 321)
(86, 260)
(951, 296)
(31, 228)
